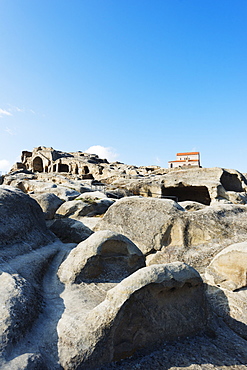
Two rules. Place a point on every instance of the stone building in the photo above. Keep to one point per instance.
(185, 160)
(49, 160)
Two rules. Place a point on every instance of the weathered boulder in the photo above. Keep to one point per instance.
(35, 182)
(189, 205)
(202, 185)
(236, 197)
(231, 306)
(226, 278)
(144, 186)
(17, 300)
(49, 203)
(80, 208)
(40, 187)
(196, 237)
(104, 256)
(62, 192)
(162, 225)
(228, 268)
(145, 221)
(21, 219)
(70, 230)
(92, 195)
(27, 361)
(154, 304)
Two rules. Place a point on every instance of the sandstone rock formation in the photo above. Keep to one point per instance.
(69, 306)
(203, 185)
(153, 304)
(190, 205)
(227, 283)
(162, 225)
(105, 256)
(145, 221)
(21, 220)
(229, 267)
(70, 230)
(79, 208)
(17, 297)
(49, 203)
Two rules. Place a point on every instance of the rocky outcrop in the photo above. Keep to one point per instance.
(85, 207)
(228, 268)
(21, 220)
(165, 232)
(203, 185)
(226, 279)
(153, 304)
(70, 230)
(87, 166)
(104, 257)
(69, 306)
(145, 221)
(17, 299)
(49, 203)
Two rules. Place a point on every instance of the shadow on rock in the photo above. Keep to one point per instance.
(40, 338)
(222, 345)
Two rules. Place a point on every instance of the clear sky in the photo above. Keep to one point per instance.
(139, 79)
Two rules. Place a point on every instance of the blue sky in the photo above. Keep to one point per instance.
(139, 79)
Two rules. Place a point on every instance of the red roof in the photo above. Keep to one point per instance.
(189, 153)
(189, 160)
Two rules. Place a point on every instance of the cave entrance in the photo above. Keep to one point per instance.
(85, 170)
(63, 167)
(195, 193)
(231, 182)
(38, 164)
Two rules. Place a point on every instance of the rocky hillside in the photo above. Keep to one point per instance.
(133, 268)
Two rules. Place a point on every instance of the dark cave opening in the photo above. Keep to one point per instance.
(195, 193)
(231, 182)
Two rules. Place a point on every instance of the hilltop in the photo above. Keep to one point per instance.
(111, 266)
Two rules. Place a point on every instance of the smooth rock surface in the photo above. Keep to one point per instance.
(69, 230)
(21, 219)
(228, 268)
(86, 207)
(17, 299)
(145, 221)
(49, 203)
(104, 257)
(154, 304)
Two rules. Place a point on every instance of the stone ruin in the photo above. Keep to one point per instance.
(203, 185)
(49, 160)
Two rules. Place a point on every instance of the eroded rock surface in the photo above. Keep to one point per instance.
(154, 304)
(49, 203)
(80, 208)
(70, 230)
(229, 267)
(104, 257)
(165, 232)
(68, 306)
(145, 221)
(21, 219)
